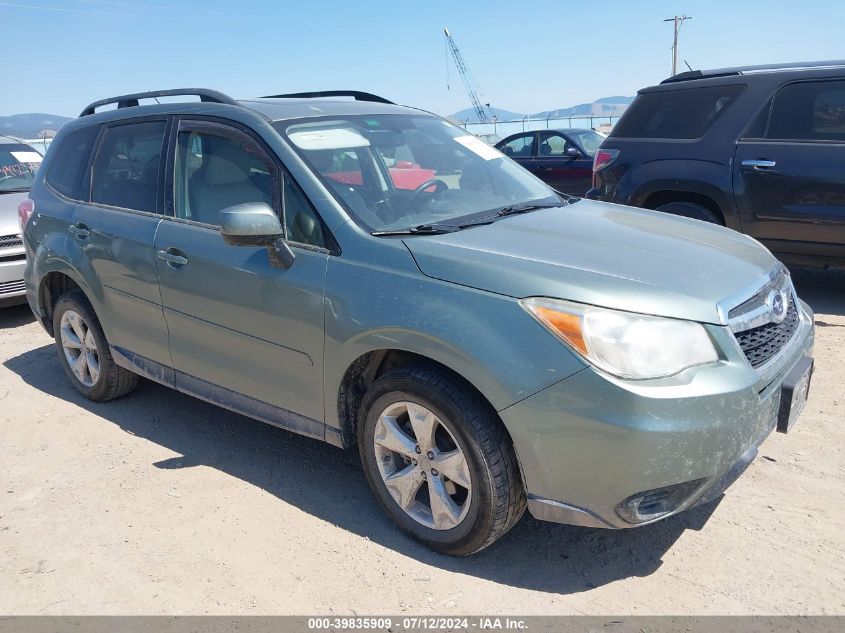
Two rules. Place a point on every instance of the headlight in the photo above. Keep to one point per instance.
(625, 344)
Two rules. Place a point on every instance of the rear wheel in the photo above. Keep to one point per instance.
(691, 210)
(84, 351)
(439, 460)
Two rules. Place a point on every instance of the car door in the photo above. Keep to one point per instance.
(242, 332)
(789, 171)
(115, 228)
(521, 148)
(563, 170)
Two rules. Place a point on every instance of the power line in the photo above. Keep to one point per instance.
(678, 20)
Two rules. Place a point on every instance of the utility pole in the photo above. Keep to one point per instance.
(678, 20)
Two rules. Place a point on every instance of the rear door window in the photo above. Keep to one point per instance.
(126, 170)
(676, 114)
(70, 162)
(809, 111)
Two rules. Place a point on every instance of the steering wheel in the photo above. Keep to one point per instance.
(438, 185)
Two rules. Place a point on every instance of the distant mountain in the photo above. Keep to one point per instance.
(30, 125)
(625, 100)
(606, 106)
(468, 115)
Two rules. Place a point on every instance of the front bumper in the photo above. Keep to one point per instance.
(591, 441)
(11, 279)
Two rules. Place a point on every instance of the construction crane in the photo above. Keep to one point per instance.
(469, 81)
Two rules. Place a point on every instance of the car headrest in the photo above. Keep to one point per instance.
(221, 171)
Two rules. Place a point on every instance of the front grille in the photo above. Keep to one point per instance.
(761, 343)
(10, 287)
(10, 241)
(753, 323)
(778, 280)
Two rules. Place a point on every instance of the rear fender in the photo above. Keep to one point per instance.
(58, 253)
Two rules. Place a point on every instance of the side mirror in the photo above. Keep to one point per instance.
(249, 224)
(572, 152)
(256, 224)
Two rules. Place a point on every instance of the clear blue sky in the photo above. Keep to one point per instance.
(527, 56)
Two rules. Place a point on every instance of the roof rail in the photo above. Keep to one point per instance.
(745, 70)
(355, 94)
(130, 101)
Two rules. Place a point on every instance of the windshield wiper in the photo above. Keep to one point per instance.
(422, 229)
(17, 190)
(522, 208)
(509, 210)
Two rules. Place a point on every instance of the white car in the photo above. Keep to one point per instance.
(18, 164)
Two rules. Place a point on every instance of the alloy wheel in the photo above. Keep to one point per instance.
(422, 465)
(80, 348)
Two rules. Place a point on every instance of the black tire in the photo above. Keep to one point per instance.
(691, 210)
(497, 501)
(113, 381)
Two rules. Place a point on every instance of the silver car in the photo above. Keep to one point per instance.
(18, 164)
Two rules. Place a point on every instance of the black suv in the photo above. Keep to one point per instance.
(760, 149)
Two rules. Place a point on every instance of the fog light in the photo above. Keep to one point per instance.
(653, 504)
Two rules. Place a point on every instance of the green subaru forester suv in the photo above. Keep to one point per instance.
(375, 277)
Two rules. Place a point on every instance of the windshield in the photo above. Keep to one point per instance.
(18, 164)
(588, 140)
(399, 171)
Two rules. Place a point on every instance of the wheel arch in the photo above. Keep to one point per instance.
(55, 278)
(682, 179)
(366, 368)
(666, 196)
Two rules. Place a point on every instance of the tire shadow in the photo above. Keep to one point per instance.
(824, 290)
(14, 315)
(330, 484)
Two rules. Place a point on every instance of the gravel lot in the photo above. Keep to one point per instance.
(162, 504)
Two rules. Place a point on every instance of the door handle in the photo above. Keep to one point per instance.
(759, 164)
(79, 230)
(172, 257)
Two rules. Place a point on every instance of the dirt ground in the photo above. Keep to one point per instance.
(162, 504)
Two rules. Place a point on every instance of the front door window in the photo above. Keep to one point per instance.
(214, 172)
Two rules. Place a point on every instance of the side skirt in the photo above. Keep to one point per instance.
(225, 398)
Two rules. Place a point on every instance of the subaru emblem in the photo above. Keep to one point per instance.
(776, 302)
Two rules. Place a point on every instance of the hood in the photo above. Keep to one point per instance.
(9, 212)
(602, 254)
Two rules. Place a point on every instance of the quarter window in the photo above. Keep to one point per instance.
(302, 224)
(70, 161)
(675, 113)
(126, 169)
(214, 172)
(811, 111)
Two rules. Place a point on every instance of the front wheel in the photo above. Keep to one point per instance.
(439, 460)
(84, 351)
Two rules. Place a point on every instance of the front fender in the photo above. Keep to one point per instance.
(486, 338)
